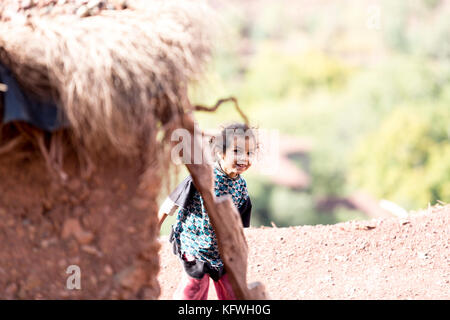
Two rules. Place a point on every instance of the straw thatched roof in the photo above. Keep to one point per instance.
(117, 69)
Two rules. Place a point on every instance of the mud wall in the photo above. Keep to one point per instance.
(104, 225)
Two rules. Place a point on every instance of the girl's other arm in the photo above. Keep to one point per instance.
(245, 211)
(179, 197)
(168, 208)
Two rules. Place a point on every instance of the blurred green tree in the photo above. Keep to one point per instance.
(406, 159)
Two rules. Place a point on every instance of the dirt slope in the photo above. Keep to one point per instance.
(376, 259)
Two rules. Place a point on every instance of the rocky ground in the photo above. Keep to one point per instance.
(378, 259)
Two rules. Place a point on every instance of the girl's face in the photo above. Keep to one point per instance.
(239, 156)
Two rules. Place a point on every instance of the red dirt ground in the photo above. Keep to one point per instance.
(377, 259)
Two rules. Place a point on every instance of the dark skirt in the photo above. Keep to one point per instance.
(196, 268)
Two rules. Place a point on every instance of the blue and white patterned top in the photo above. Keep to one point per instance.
(193, 232)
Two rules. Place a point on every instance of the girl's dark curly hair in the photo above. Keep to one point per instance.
(224, 140)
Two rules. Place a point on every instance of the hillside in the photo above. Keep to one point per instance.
(377, 259)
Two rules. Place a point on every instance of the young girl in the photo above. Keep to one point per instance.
(192, 235)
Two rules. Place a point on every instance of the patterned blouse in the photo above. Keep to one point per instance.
(193, 233)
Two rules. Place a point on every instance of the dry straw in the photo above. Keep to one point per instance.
(119, 75)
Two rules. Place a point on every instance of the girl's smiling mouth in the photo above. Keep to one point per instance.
(241, 166)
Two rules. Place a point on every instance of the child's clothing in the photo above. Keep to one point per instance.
(197, 289)
(192, 235)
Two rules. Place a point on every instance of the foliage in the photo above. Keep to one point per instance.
(406, 159)
(275, 75)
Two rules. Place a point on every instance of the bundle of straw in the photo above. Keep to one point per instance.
(116, 74)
